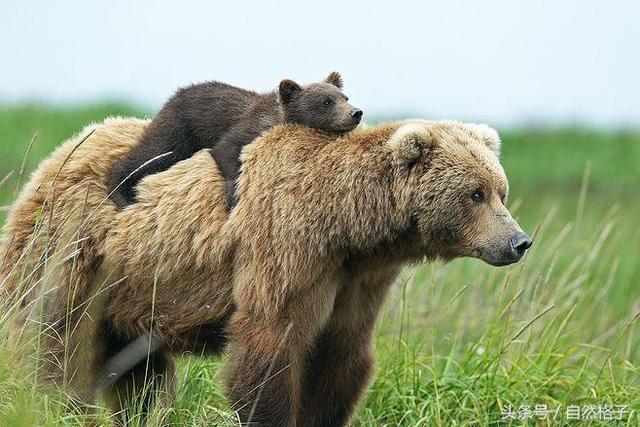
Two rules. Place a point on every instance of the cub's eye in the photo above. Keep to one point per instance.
(327, 102)
(478, 196)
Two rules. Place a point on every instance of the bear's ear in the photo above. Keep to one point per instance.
(409, 143)
(288, 88)
(335, 79)
(489, 136)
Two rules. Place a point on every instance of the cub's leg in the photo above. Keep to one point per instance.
(339, 368)
(267, 355)
(226, 153)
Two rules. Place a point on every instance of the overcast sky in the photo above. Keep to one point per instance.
(499, 61)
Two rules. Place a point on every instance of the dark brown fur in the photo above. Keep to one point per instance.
(225, 118)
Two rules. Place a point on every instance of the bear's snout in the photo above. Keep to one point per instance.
(520, 242)
(509, 251)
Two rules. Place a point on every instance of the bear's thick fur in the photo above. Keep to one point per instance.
(295, 275)
(52, 246)
(225, 118)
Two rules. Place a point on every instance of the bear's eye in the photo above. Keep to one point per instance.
(478, 196)
(327, 102)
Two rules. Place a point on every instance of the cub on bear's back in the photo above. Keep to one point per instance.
(225, 118)
(316, 240)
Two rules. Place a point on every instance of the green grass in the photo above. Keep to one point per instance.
(457, 344)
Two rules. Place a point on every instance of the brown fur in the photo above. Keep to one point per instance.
(301, 265)
(52, 246)
(224, 119)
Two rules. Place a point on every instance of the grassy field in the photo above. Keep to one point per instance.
(460, 344)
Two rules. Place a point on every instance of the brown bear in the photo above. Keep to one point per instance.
(52, 246)
(294, 276)
(225, 118)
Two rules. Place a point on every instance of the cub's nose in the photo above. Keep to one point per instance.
(356, 113)
(520, 243)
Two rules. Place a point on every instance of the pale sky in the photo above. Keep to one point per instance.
(499, 61)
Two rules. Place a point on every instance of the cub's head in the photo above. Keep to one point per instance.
(458, 191)
(319, 105)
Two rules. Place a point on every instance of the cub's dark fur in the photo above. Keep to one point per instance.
(224, 118)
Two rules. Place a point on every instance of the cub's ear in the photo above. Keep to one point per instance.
(489, 136)
(409, 143)
(288, 88)
(335, 79)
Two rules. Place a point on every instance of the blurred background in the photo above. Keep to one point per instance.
(507, 63)
(559, 80)
(503, 62)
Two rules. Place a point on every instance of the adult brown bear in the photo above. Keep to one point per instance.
(295, 275)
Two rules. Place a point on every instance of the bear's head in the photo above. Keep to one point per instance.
(458, 191)
(319, 105)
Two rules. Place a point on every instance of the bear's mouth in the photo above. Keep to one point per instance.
(496, 258)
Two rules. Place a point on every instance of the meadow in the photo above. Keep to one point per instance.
(549, 341)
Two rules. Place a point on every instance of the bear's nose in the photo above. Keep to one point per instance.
(520, 243)
(356, 113)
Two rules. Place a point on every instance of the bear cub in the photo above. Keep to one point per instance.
(225, 118)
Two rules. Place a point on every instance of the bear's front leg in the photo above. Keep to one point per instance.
(340, 365)
(267, 356)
